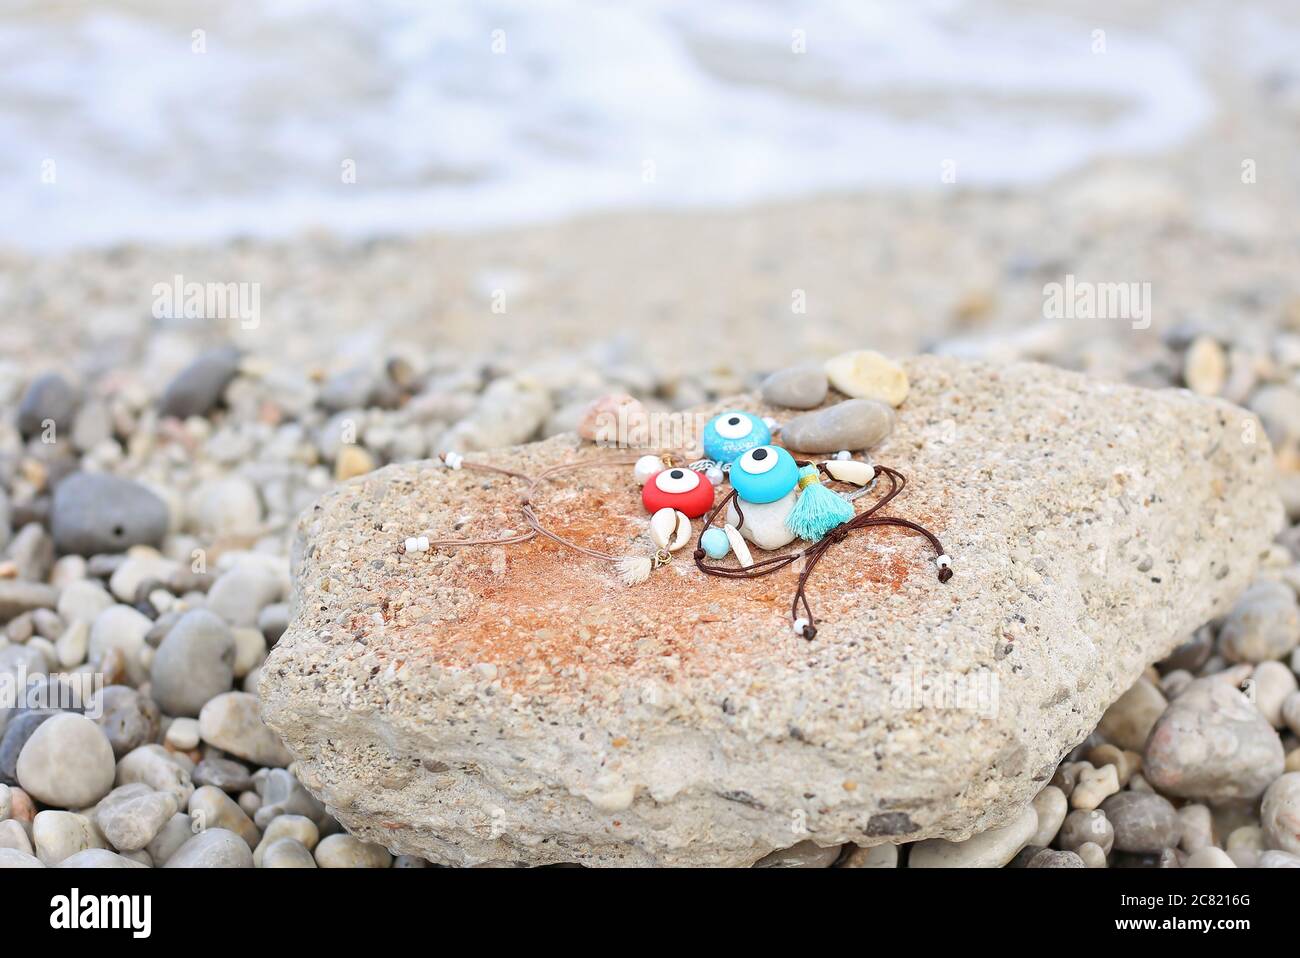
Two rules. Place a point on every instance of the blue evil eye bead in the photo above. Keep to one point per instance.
(764, 474)
(734, 433)
(715, 542)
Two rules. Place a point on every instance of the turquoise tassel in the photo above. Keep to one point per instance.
(818, 510)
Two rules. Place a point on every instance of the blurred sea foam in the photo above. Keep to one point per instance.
(590, 106)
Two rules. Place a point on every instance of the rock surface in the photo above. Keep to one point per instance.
(520, 704)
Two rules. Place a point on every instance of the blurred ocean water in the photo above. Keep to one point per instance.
(193, 122)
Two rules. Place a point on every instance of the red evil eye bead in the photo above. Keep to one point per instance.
(678, 488)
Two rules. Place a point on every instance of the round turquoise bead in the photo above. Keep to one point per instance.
(715, 543)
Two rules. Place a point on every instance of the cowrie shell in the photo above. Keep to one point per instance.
(670, 529)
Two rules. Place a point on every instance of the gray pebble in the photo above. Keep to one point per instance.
(197, 388)
(1263, 625)
(58, 834)
(1279, 813)
(796, 387)
(128, 718)
(1143, 822)
(175, 832)
(213, 848)
(283, 794)
(14, 835)
(20, 728)
(287, 853)
(32, 552)
(1277, 859)
(94, 513)
(211, 807)
(67, 762)
(6, 802)
(224, 774)
(240, 594)
(194, 663)
(98, 858)
(273, 620)
(301, 830)
(350, 389)
(344, 851)
(1191, 655)
(1082, 826)
(18, 596)
(131, 815)
(48, 397)
(1048, 858)
(1212, 745)
(10, 858)
(156, 767)
(853, 424)
(230, 721)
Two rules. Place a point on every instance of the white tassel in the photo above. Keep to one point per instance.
(635, 569)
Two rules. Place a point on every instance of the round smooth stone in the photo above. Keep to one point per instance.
(128, 718)
(1212, 745)
(231, 722)
(212, 848)
(1143, 822)
(796, 387)
(93, 513)
(67, 763)
(130, 816)
(1263, 625)
(287, 853)
(852, 424)
(198, 387)
(765, 521)
(48, 398)
(1280, 813)
(343, 851)
(194, 664)
(715, 543)
(99, 858)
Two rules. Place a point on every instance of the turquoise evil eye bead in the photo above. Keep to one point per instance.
(734, 433)
(715, 543)
(764, 474)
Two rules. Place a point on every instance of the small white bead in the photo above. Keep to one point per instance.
(843, 454)
(454, 460)
(943, 562)
(714, 475)
(646, 467)
(412, 544)
(769, 422)
(799, 625)
(422, 543)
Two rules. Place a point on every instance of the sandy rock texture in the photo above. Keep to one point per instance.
(520, 704)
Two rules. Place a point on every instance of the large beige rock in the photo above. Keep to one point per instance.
(520, 704)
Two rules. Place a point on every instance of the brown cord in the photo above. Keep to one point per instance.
(535, 526)
(814, 553)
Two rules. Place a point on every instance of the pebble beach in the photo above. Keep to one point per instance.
(154, 460)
